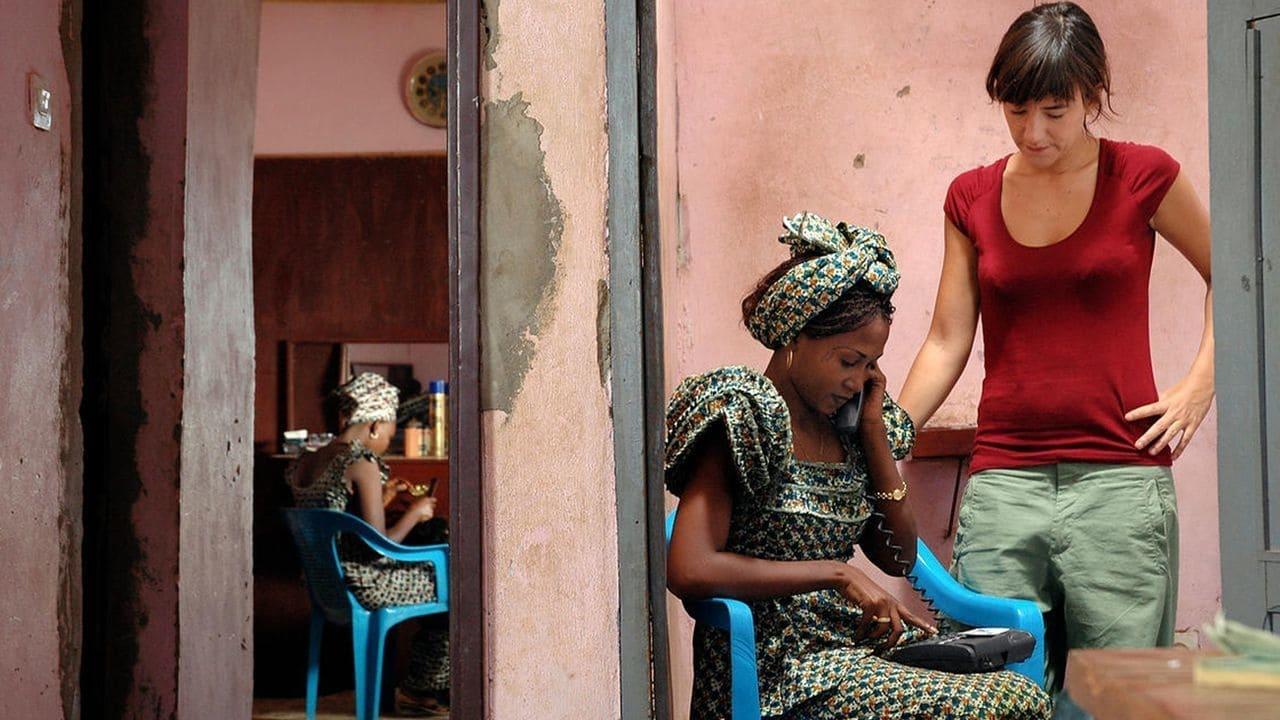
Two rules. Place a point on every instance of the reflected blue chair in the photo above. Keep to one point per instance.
(928, 577)
(315, 532)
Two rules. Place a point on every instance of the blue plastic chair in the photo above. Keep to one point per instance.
(927, 576)
(315, 533)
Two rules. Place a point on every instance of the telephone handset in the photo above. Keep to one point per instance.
(847, 416)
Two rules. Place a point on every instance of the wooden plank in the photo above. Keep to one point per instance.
(1156, 684)
(944, 442)
(1267, 77)
(655, 373)
(467, 616)
(627, 357)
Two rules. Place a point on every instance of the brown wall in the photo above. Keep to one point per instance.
(345, 249)
(39, 365)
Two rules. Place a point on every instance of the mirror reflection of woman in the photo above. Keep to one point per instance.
(1071, 501)
(773, 501)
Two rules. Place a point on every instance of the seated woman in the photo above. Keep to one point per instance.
(349, 475)
(773, 501)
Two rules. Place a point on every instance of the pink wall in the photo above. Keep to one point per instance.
(551, 537)
(39, 330)
(865, 111)
(329, 77)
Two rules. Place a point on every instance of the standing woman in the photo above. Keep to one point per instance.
(1071, 502)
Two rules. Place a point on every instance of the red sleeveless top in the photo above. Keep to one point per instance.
(1067, 349)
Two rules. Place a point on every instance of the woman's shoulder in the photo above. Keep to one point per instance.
(1132, 151)
(734, 394)
(727, 380)
(750, 411)
(1146, 170)
(1131, 159)
(967, 188)
(980, 179)
(330, 464)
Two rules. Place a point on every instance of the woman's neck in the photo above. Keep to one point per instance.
(354, 433)
(804, 419)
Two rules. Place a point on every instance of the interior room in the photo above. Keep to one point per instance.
(350, 259)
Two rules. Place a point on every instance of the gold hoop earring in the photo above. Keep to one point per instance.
(373, 434)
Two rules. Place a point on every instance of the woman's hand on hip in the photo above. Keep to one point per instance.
(1179, 412)
(883, 617)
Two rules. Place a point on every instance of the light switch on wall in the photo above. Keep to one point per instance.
(41, 103)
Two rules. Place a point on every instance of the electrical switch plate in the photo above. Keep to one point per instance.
(41, 103)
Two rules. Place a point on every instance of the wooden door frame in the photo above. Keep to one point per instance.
(466, 529)
(635, 353)
(1238, 264)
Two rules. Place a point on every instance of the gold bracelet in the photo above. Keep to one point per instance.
(897, 495)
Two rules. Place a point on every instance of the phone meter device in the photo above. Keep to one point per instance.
(971, 651)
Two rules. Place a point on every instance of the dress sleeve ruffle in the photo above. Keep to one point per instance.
(899, 427)
(749, 409)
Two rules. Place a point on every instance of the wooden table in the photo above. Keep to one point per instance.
(416, 470)
(1156, 684)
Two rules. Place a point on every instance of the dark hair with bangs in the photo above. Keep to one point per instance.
(1051, 51)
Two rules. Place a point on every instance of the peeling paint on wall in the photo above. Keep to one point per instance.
(489, 21)
(522, 225)
(546, 429)
(604, 344)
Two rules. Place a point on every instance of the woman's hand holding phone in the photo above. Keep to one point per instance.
(873, 401)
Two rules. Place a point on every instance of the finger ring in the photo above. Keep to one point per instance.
(877, 618)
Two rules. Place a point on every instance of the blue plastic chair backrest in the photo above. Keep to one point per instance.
(315, 533)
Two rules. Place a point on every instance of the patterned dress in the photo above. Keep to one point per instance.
(378, 581)
(809, 664)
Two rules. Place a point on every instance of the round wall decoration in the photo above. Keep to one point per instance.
(426, 87)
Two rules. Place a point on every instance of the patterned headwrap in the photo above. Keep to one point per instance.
(850, 254)
(366, 398)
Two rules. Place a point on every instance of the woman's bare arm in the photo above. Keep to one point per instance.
(946, 348)
(366, 478)
(697, 564)
(1184, 222)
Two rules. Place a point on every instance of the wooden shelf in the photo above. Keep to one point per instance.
(944, 442)
(387, 458)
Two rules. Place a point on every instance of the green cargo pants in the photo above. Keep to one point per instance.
(1095, 546)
